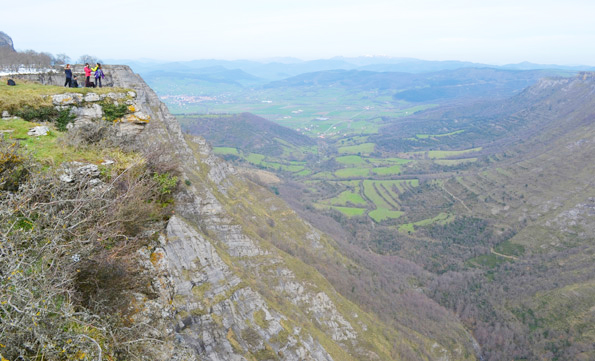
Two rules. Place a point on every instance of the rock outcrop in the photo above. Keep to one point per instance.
(6, 42)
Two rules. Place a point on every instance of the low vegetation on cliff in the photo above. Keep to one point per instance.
(75, 209)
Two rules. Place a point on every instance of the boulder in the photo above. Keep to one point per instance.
(92, 97)
(137, 118)
(38, 131)
(127, 129)
(74, 170)
(93, 112)
(114, 95)
(67, 99)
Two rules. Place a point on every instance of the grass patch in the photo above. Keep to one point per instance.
(225, 150)
(48, 150)
(441, 154)
(350, 211)
(441, 218)
(389, 161)
(444, 154)
(510, 249)
(393, 170)
(255, 158)
(486, 261)
(365, 148)
(381, 214)
(348, 197)
(350, 159)
(26, 93)
(426, 136)
(451, 162)
(304, 173)
(352, 172)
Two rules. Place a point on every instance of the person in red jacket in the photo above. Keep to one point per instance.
(87, 74)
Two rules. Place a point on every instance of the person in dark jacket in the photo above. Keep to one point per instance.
(68, 73)
(75, 83)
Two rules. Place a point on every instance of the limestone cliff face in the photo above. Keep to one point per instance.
(6, 41)
(226, 292)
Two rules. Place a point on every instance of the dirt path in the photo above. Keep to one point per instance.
(503, 255)
(456, 198)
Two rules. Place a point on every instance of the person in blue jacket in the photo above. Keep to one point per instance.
(68, 73)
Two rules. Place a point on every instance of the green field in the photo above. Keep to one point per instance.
(381, 214)
(486, 261)
(426, 136)
(450, 162)
(352, 172)
(364, 148)
(348, 197)
(350, 211)
(393, 170)
(350, 159)
(441, 218)
(443, 154)
(225, 150)
(384, 195)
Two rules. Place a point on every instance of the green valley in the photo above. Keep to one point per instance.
(482, 195)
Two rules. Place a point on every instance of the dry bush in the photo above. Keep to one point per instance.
(14, 166)
(98, 133)
(68, 266)
(160, 158)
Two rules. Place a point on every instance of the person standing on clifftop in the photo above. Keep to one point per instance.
(87, 74)
(98, 75)
(68, 73)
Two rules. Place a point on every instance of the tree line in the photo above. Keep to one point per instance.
(11, 60)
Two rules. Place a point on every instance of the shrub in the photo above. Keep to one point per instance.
(43, 113)
(47, 114)
(63, 118)
(14, 166)
(167, 182)
(113, 112)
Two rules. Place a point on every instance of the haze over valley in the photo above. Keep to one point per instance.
(240, 181)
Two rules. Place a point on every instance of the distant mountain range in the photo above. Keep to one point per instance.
(466, 83)
(281, 68)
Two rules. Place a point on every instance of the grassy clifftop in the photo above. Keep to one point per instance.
(75, 208)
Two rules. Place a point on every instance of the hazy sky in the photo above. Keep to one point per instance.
(490, 31)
